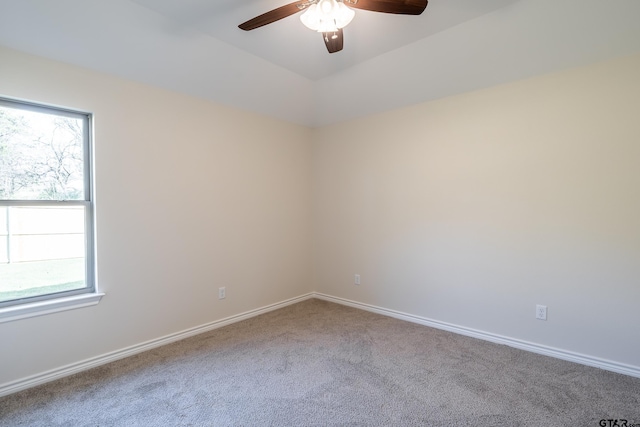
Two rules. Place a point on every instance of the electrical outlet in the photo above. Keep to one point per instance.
(222, 293)
(541, 312)
(357, 279)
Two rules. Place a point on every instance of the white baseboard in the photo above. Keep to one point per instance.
(582, 359)
(54, 374)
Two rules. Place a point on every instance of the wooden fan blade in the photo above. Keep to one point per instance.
(273, 15)
(402, 7)
(334, 41)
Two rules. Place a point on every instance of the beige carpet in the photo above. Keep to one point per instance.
(317, 363)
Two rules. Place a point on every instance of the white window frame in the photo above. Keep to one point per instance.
(67, 300)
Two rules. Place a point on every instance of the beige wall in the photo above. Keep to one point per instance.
(468, 210)
(190, 196)
(473, 209)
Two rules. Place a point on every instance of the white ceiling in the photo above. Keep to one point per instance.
(284, 71)
(290, 45)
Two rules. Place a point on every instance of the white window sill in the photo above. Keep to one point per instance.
(23, 311)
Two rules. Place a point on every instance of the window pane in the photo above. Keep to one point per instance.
(4, 258)
(3, 221)
(29, 279)
(3, 236)
(46, 220)
(46, 228)
(42, 252)
(41, 156)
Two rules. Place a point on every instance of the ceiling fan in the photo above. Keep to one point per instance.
(329, 17)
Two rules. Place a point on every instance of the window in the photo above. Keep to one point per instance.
(46, 207)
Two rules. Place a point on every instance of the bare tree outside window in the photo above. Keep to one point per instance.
(41, 156)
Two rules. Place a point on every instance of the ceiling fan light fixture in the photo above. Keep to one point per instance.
(327, 16)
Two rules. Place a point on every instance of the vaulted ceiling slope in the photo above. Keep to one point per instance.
(283, 70)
